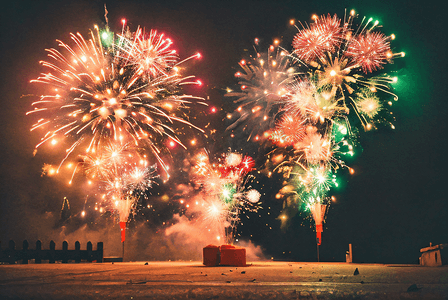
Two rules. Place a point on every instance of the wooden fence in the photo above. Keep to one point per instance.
(11, 255)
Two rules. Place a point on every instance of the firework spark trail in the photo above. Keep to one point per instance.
(328, 81)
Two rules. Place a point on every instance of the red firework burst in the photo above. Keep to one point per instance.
(247, 164)
(292, 128)
(370, 51)
(322, 36)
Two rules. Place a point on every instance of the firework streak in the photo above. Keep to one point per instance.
(310, 100)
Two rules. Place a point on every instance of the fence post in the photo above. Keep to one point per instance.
(64, 252)
(38, 254)
(89, 251)
(77, 252)
(52, 252)
(12, 252)
(99, 252)
(25, 253)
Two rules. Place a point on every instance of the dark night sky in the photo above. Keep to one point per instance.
(394, 205)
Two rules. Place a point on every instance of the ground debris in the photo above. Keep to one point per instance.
(413, 288)
(136, 282)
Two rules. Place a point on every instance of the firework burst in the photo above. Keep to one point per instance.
(289, 130)
(262, 82)
(151, 55)
(370, 51)
(321, 37)
(113, 87)
(369, 106)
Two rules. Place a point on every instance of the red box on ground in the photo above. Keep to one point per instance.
(232, 256)
(210, 255)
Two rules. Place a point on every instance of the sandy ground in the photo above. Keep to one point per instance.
(192, 280)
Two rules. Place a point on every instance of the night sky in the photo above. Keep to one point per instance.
(391, 207)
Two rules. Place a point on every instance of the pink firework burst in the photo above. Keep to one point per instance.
(322, 36)
(152, 54)
(300, 95)
(369, 51)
